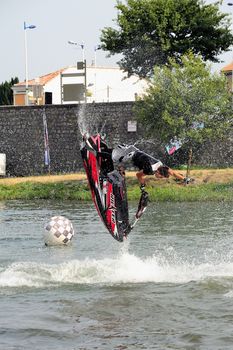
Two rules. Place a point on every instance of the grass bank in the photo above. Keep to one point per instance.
(209, 185)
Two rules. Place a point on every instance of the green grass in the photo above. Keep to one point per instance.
(79, 191)
(60, 190)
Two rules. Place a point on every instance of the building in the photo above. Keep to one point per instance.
(80, 84)
(228, 71)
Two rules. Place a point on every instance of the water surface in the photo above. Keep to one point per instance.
(169, 286)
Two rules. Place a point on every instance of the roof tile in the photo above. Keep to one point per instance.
(228, 67)
(44, 79)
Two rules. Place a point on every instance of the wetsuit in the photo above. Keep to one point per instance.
(139, 159)
(145, 162)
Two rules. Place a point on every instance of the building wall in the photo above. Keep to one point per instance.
(112, 85)
(19, 100)
(105, 84)
(54, 86)
(22, 140)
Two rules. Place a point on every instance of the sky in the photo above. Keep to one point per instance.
(56, 23)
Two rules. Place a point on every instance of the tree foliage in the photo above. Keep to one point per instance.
(186, 101)
(6, 93)
(151, 31)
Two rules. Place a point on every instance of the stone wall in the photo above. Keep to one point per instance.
(22, 139)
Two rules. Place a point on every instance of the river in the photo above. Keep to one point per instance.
(168, 286)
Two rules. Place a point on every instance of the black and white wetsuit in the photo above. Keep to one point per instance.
(139, 159)
(145, 162)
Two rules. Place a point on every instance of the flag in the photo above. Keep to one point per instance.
(46, 142)
(29, 26)
(173, 146)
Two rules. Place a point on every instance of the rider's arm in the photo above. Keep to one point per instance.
(176, 174)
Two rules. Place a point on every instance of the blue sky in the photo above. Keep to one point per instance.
(56, 23)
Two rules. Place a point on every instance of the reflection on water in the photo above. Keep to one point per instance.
(169, 286)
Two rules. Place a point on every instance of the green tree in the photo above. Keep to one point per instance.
(186, 101)
(6, 93)
(151, 31)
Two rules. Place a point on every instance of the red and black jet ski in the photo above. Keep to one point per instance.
(108, 187)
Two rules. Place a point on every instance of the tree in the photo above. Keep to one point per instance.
(151, 31)
(6, 93)
(188, 102)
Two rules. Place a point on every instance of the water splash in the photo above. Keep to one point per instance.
(82, 121)
(87, 124)
(143, 141)
(124, 268)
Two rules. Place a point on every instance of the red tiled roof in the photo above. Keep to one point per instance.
(44, 79)
(228, 68)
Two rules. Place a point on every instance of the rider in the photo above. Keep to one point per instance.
(146, 164)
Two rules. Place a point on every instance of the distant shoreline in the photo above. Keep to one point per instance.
(209, 185)
(212, 175)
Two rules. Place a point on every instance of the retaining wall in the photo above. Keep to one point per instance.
(22, 136)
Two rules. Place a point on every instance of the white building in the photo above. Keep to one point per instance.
(68, 85)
